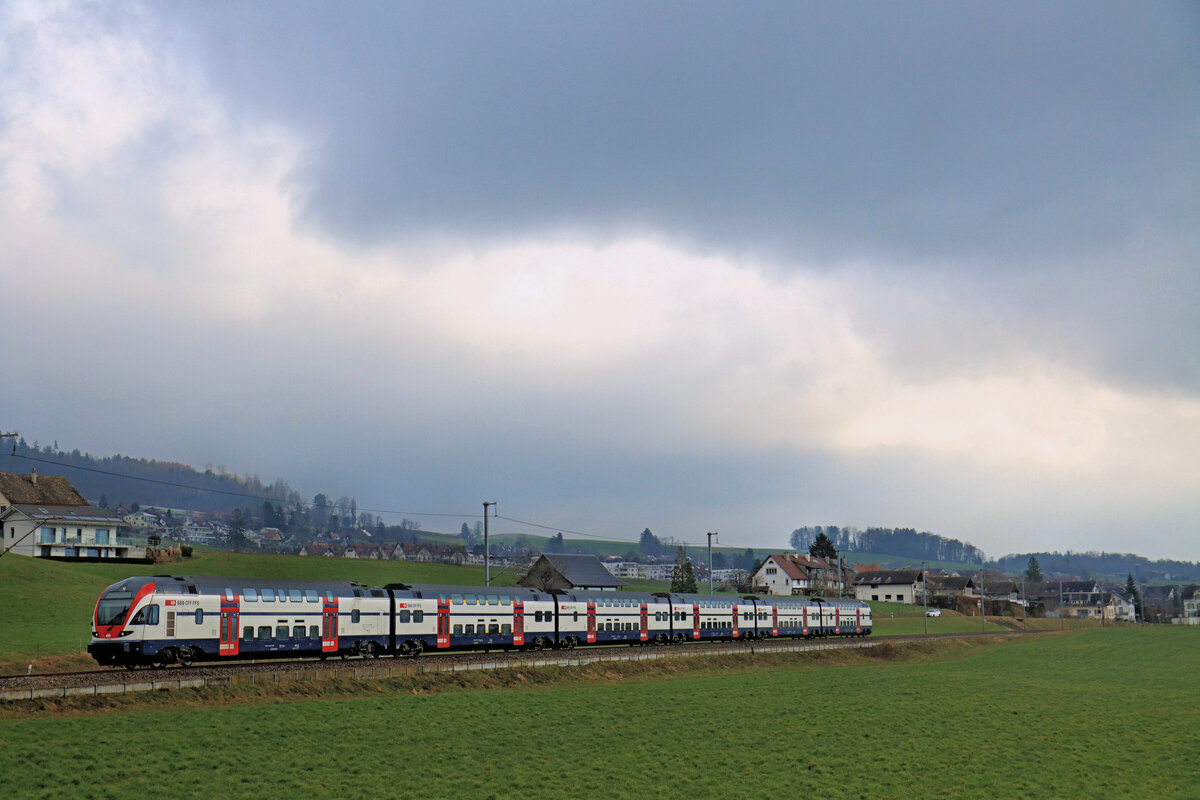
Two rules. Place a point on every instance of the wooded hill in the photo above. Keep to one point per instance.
(149, 482)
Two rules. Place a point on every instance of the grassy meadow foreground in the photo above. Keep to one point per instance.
(1104, 713)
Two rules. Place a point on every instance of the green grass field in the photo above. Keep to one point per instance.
(1105, 713)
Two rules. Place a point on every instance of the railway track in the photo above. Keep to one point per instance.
(120, 681)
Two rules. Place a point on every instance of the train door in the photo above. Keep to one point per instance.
(736, 628)
(804, 628)
(645, 634)
(695, 620)
(591, 622)
(774, 620)
(443, 622)
(329, 625)
(837, 620)
(229, 624)
(858, 620)
(518, 622)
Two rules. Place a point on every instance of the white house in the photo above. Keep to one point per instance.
(783, 573)
(65, 532)
(896, 585)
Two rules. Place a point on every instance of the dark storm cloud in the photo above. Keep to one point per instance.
(924, 131)
(1053, 149)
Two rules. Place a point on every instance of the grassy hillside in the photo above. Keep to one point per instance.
(1049, 716)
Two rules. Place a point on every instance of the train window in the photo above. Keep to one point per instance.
(298, 632)
(248, 632)
(537, 616)
(404, 616)
(456, 599)
(268, 595)
(314, 632)
(152, 615)
(576, 617)
(458, 630)
(228, 593)
(355, 616)
(139, 618)
(470, 629)
(493, 600)
(295, 595)
(329, 596)
(281, 631)
(418, 616)
(250, 595)
(506, 628)
(199, 616)
(549, 616)
(494, 627)
(469, 599)
(310, 595)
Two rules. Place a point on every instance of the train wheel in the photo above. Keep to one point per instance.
(370, 650)
(160, 660)
(129, 665)
(185, 656)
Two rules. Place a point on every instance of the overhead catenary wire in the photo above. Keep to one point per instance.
(305, 503)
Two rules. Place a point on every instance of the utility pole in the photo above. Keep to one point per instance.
(982, 601)
(1061, 619)
(487, 557)
(925, 596)
(711, 534)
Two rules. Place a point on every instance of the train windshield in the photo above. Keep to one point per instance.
(113, 608)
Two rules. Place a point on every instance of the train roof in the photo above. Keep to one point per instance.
(210, 584)
(426, 590)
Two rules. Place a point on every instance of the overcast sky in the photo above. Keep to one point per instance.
(735, 267)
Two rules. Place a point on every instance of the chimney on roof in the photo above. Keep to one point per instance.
(33, 476)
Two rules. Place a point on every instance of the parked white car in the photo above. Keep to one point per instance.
(933, 612)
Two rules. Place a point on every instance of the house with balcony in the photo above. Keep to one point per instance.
(44, 516)
(66, 532)
(784, 573)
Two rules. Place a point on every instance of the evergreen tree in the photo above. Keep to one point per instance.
(1033, 572)
(104, 501)
(465, 533)
(237, 530)
(683, 579)
(747, 562)
(822, 547)
(649, 544)
(1132, 590)
(555, 544)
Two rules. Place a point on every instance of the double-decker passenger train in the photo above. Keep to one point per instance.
(168, 619)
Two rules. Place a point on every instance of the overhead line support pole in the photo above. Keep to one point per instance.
(711, 534)
(487, 557)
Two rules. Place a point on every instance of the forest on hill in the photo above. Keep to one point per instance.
(899, 542)
(1093, 565)
(123, 481)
